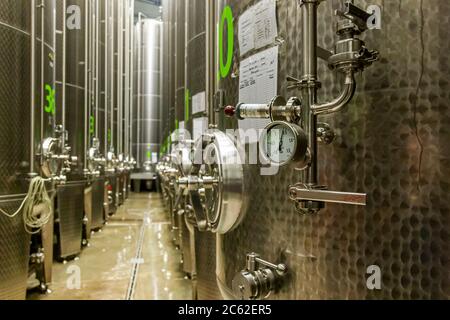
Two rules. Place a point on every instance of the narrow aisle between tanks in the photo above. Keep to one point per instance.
(132, 257)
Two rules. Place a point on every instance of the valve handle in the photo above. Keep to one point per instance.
(355, 14)
(230, 111)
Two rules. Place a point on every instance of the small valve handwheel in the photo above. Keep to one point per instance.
(216, 183)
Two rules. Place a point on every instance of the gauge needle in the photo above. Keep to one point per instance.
(281, 140)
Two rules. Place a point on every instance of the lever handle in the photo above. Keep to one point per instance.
(294, 82)
(355, 14)
(304, 194)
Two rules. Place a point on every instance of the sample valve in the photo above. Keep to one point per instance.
(259, 279)
(55, 157)
(95, 159)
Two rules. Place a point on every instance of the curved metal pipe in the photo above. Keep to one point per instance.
(341, 101)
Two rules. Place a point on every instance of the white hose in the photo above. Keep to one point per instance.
(37, 207)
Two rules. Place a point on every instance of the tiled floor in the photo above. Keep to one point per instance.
(133, 257)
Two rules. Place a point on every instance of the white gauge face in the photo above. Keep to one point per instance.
(280, 144)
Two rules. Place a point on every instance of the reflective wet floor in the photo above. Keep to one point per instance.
(133, 258)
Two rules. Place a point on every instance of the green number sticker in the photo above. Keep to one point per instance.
(50, 107)
(92, 125)
(227, 16)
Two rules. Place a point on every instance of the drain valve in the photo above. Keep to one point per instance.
(259, 279)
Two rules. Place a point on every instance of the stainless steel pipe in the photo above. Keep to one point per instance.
(33, 85)
(309, 84)
(341, 101)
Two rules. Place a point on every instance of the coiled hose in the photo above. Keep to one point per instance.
(36, 207)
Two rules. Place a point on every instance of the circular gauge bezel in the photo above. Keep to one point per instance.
(299, 154)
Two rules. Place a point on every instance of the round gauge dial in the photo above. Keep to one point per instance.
(282, 143)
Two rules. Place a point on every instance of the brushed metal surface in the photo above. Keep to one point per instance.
(112, 179)
(390, 144)
(121, 188)
(179, 60)
(205, 255)
(168, 76)
(195, 49)
(14, 100)
(88, 206)
(14, 253)
(186, 249)
(195, 77)
(75, 117)
(69, 211)
(147, 108)
(45, 72)
(102, 103)
(98, 193)
(105, 199)
(47, 238)
(15, 121)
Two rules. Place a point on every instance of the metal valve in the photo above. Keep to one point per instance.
(353, 18)
(196, 183)
(276, 110)
(325, 134)
(351, 52)
(258, 280)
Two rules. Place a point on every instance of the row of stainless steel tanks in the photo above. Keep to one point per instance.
(391, 143)
(68, 87)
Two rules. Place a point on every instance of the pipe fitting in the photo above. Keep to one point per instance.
(341, 101)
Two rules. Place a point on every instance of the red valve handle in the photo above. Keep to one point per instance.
(230, 111)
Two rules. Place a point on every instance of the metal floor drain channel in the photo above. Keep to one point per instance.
(136, 263)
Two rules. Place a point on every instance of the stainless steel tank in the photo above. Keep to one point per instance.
(195, 82)
(28, 116)
(180, 63)
(97, 103)
(70, 96)
(167, 66)
(111, 99)
(179, 111)
(147, 116)
(392, 144)
(70, 79)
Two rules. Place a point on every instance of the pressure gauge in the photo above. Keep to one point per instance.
(282, 143)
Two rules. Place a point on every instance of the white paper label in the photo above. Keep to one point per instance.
(258, 84)
(258, 26)
(266, 29)
(154, 157)
(246, 31)
(199, 125)
(199, 103)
